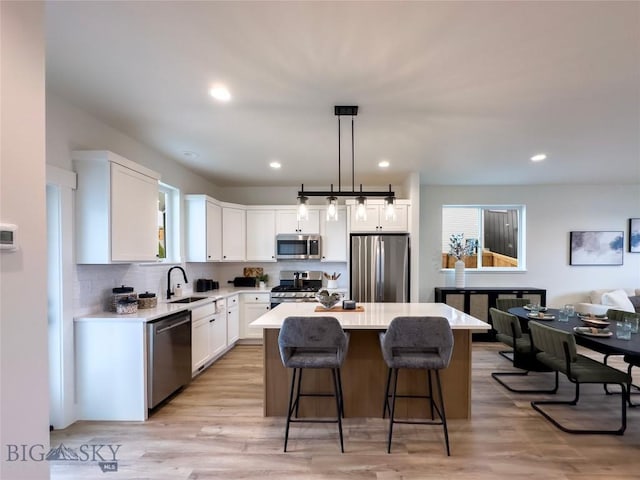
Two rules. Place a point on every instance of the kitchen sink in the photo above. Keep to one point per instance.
(187, 299)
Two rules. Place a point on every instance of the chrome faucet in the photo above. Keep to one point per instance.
(184, 274)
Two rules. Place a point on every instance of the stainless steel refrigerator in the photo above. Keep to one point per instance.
(380, 268)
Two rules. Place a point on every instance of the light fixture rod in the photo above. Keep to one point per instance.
(327, 193)
(353, 162)
(339, 168)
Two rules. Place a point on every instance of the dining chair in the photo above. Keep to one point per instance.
(318, 343)
(614, 315)
(558, 351)
(504, 304)
(510, 333)
(416, 343)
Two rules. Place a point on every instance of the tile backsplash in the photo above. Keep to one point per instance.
(93, 283)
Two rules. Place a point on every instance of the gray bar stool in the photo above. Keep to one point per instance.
(417, 343)
(313, 342)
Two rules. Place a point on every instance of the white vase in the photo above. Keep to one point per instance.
(459, 273)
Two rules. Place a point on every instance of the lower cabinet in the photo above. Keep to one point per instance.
(477, 301)
(254, 305)
(200, 332)
(233, 319)
(217, 334)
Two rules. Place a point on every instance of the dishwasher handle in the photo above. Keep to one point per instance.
(172, 326)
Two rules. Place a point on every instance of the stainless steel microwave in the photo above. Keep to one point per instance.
(297, 247)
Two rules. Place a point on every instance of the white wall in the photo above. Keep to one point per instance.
(24, 390)
(551, 213)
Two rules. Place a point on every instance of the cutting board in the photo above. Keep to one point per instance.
(359, 308)
(253, 271)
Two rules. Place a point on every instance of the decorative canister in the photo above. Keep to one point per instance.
(127, 305)
(120, 293)
(147, 300)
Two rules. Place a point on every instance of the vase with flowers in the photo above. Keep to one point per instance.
(459, 249)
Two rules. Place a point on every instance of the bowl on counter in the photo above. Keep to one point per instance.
(329, 300)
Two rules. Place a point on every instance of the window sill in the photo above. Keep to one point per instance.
(486, 270)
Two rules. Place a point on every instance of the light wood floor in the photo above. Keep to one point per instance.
(215, 429)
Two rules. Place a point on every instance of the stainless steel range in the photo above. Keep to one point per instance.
(296, 286)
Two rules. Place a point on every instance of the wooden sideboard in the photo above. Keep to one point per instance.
(477, 301)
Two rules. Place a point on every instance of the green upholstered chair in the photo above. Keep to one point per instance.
(504, 304)
(618, 316)
(558, 351)
(510, 333)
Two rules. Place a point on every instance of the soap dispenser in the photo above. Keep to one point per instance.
(178, 290)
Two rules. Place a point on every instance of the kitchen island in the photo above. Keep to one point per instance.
(364, 372)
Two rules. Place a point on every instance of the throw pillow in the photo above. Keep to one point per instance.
(619, 300)
(635, 301)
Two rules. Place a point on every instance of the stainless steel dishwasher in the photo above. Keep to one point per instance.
(169, 356)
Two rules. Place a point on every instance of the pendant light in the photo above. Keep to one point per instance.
(332, 197)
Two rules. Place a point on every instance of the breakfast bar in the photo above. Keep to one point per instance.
(364, 371)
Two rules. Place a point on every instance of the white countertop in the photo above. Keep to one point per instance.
(375, 315)
(165, 308)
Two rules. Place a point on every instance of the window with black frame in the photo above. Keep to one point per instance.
(485, 237)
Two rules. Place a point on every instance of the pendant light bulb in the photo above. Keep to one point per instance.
(390, 206)
(303, 206)
(361, 209)
(332, 208)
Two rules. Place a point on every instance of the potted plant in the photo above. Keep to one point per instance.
(459, 249)
(262, 280)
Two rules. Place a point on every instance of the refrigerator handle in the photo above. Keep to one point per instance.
(379, 295)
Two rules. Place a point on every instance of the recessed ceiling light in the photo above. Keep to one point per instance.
(189, 154)
(275, 165)
(539, 157)
(384, 164)
(220, 92)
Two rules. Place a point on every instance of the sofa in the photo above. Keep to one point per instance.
(600, 301)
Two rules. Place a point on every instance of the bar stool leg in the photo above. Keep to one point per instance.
(289, 409)
(337, 390)
(393, 408)
(443, 414)
(341, 397)
(385, 406)
(298, 391)
(430, 393)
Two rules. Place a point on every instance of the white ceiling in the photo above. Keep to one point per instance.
(462, 92)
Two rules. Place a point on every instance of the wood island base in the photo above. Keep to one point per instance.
(364, 376)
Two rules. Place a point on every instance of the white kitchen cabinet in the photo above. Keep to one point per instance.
(376, 221)
(334, 237)
(233, 233)
(253, 306)
(217, 334)
(200, 332)
(287, 221)
(233, 319)
(203, 229)
(116, 209)
(261, 235)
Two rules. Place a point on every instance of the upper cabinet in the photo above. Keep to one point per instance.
(334, 237)
(261, 235)
(376, 221)
(203, 229)
(116, 208)
(233, 233)
(287, 221)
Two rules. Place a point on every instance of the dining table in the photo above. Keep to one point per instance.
(607, 345)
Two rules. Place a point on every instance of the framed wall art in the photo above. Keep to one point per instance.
(634, 235)
(596, 248)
